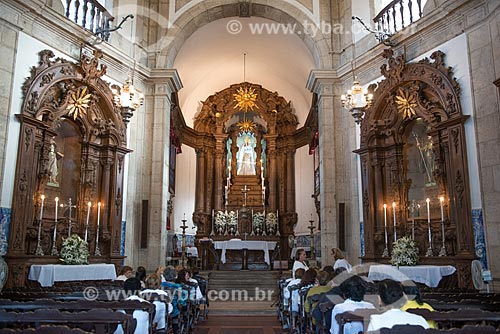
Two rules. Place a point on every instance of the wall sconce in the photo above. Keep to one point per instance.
(357, 100)
(127, 98)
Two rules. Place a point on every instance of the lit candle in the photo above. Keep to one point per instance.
(98, 213)
(429, 219)
(385, 222)
(441, 201)
(87, 222)
(41, 206)
(41, 215)
(394, 216)
(55, 225)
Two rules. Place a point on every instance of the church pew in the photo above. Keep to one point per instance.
(99, 321)
(45, 329)
(407, 329)
(128, 306)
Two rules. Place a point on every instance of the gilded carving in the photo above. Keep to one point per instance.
(28, 133)
(90, 66)
(46, 79)
(455, 137)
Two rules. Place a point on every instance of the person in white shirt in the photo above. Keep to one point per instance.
(392, 299)
(131, 287)
(300, 261)
(295, 294)
(125, 273)
(340, 261)
(353, 289)
(159, 298)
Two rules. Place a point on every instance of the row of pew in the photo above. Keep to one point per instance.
(455, 313)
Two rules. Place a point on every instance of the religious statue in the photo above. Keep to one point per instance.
(245, 158)
(52, 165)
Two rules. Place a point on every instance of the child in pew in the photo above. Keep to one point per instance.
(178, 299)
(322, 279)
(160, 299)
(132, 286)
(414, 300)
(296, 281)
(125, 273)
(353, 289)
(392, 298)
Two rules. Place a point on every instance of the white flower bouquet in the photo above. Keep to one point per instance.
(404, 252)
(258, 219)
(271, 219)
(74, 250)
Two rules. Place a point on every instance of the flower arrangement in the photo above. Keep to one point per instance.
(404, 252)
(271, 219)
(220, 218)
(74, 250)
(258, 219)
(232, 218)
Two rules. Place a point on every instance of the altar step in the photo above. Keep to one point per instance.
(243, 292)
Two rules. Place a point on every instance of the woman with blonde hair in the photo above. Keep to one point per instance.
(339, 260)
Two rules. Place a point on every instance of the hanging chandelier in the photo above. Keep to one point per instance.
(356, 101)
(127, 98)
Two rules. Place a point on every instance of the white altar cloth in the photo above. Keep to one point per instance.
(192, 251)
(47, 274)
(426, 274)
(264, 246)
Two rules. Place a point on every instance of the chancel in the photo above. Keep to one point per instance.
(222, 146)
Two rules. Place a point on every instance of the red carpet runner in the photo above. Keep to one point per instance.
(230, 324)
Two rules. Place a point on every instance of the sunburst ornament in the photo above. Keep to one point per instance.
(246, 125)
(245, 98)
(406, 104)
(78, 102)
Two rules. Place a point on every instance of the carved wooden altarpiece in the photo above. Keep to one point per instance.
(217, 139)
(67, 112)
(413, 148)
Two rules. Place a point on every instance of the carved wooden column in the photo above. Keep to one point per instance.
(220, 140)
(290, 180)
(200, 180)
(273, 175)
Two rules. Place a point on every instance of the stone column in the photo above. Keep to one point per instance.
(164, 83)
(322, 83)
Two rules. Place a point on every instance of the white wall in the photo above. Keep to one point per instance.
(185, 185)
(304, 188)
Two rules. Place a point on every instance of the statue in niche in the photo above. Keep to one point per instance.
(427, 158)
(53, 169)
(246, 156)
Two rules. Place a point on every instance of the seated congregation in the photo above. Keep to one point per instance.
(345, 301)
(169, 300)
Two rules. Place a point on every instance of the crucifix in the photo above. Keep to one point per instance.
(70, 206)
(245, 191)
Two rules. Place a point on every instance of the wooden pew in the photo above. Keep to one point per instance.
(99, 321)
(407, 329)
(45, 329)
(459, 318)
(128, 306)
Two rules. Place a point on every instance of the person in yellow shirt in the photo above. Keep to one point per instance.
(414, 300)
(322, 280)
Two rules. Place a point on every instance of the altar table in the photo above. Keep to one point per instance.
(47, 274)
(425, 274)
(264, 246)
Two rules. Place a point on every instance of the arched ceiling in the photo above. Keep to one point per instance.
(211, 60)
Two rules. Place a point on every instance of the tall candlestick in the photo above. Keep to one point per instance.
(394, 216)
(39, 250)
(412, 222)
(98, 213)
(386, 250)
(54, 251)
(442, 252)
(429, 250)
(55, 226)
(213, 218)
(87, 221)
(97, 251)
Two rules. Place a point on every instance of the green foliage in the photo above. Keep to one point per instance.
(404, 252)
(74, 250)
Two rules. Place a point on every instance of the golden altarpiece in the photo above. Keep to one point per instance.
(413, 149)
(245, 138)
(72, 146)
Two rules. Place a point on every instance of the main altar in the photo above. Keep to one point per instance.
(245, 138)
